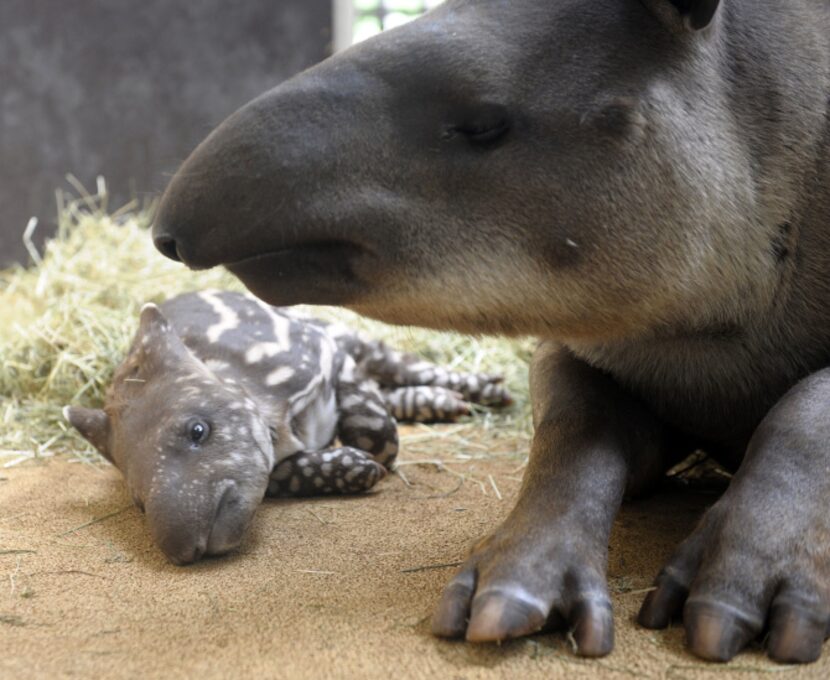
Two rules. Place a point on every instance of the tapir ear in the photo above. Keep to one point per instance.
(152, 321)
(156, 344)
(93, 424)
(697, 14)
(155, 336)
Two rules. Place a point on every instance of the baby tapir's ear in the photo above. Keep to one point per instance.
(157, 346)
(93, 424)
(152, 321)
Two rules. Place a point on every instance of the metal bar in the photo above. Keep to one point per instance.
(343, 16)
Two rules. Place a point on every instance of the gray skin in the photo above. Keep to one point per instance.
(643, 184)
(222, 399)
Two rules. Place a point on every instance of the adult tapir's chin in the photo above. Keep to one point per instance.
(321, 273)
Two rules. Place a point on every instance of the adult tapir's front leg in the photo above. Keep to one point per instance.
(546, 563)
(761, 555)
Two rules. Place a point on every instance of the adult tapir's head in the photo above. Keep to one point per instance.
(544, 166)
(194, 451)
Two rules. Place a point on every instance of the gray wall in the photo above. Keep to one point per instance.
(126, 88)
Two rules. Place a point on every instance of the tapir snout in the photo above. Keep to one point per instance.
(301, 206)
(188, 523)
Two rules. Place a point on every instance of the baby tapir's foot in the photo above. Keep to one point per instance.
(426, 404)
(746, 569)
(476, 388)
(390, 369)
(485, 389)
(343, 470)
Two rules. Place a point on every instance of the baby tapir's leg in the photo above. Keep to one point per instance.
(364, 421)
(391, 368)
(396, 369)
(342, 470)
(425, 404)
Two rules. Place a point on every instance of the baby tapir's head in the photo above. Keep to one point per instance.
(195, 452)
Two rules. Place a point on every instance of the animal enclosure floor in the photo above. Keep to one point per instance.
(324, 588)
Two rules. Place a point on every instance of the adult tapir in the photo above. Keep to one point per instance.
(644, 184)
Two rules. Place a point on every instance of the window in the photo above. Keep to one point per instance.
(356, 20)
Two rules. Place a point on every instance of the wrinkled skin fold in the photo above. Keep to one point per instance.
(643, 184)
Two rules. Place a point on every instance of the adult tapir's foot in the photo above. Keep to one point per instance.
(760, 559)
(544, 568)
(519, 582)
(743, 572)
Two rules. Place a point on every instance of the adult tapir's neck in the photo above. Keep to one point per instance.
(775, 69)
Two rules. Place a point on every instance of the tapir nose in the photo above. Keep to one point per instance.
(232, 518)
(187, 533)
(263, 181)
(188, 555)
(183, 547)
(167, 246)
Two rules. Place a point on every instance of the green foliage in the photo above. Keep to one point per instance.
(374, 16)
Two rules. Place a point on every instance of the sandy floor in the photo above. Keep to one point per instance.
(333, 588)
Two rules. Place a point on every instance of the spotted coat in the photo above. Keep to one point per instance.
(331, 385)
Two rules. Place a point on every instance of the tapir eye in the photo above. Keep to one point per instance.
(198, 431)
(482, 127)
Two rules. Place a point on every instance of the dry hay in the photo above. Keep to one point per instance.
(66, 321)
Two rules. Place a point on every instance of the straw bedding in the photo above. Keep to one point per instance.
(67, 319)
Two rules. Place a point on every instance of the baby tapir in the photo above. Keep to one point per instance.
(222, 399)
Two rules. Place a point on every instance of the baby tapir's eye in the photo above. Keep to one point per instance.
(198, 431)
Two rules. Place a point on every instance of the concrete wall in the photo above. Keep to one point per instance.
(126, 88)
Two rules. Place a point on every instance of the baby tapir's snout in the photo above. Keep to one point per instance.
(195, 520)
